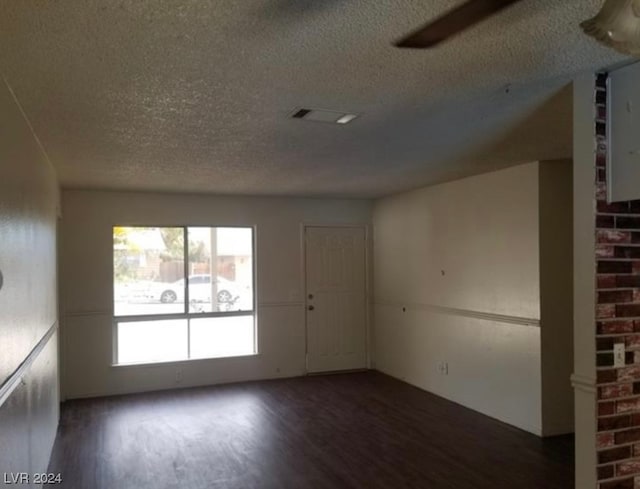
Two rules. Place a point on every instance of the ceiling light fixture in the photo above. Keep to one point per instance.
(321, 115)
(617, 25)
(345, 119)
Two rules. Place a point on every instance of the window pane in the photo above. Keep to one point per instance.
(148, 270)
(221, 269)
(152, 341)
(222, 337)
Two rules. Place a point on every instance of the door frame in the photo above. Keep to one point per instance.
(368, 254)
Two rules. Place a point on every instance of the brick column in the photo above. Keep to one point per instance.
(618, 321)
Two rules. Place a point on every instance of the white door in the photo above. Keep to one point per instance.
(336, 299)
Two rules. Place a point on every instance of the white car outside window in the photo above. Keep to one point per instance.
(200, 290)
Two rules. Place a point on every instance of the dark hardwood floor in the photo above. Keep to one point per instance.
(363, 430)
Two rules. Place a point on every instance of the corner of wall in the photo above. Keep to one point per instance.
(556, 295)
(583, 378)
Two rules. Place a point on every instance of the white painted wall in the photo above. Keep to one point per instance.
(463, 259)
(28, 301)
(584, 274)
(556, 295)
(86, 284)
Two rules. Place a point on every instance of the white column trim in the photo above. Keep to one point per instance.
(583, 383)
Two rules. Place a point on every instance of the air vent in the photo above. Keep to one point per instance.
(321, 115)
(301, 113)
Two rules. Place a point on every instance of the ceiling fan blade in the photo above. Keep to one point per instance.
(453, 22)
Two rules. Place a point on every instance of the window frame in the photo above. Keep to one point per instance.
(185, 314)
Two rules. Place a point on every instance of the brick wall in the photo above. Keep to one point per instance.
(618, 321)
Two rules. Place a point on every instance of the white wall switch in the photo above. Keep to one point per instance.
(618, 355)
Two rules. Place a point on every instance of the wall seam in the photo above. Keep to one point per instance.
(454, 311)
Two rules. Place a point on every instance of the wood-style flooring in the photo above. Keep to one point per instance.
(363, 430)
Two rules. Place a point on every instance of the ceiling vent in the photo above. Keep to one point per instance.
(321, 115)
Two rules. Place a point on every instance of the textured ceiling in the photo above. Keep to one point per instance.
(194, 95)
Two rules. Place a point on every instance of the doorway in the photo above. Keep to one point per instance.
(336, 304)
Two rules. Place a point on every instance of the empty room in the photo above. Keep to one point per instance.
(320, 244)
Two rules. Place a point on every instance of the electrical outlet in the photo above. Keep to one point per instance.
(619, 355)
(178, 376)
(443, 368)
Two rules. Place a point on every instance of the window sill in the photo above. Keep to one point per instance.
(179, 362)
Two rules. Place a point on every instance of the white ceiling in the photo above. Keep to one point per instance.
(194, 95)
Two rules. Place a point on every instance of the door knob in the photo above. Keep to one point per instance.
(311, 308)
